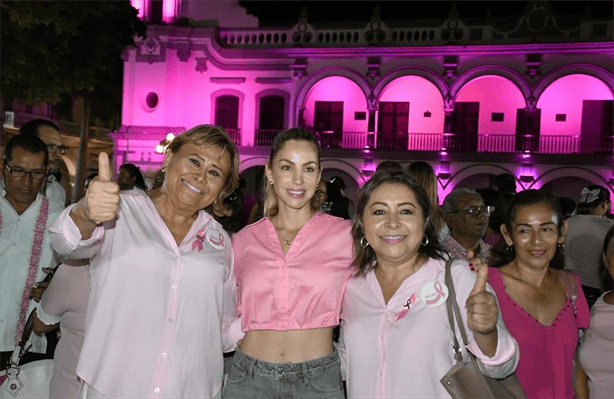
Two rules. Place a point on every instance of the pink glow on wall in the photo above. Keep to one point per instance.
(566, 96)
(338, 88)
(138, 4)
(495, 94)
(168, 11)
(423, 96)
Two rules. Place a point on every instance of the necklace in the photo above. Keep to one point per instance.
(286, 241)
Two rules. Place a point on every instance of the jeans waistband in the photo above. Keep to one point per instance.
(282, 370)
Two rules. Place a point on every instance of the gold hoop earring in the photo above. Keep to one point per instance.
(364, 243)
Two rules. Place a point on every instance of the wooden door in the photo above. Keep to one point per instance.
(393, 125)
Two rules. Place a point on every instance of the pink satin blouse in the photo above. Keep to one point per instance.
(302, 289)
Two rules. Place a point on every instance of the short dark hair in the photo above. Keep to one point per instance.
(135, 172)
(31, 144)
(389, 165)
(364, 257)
(31, 127)
(505, 182)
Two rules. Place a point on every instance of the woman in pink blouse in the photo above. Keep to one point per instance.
(595, 378)
(540, 306)
(162, 280)
(396, 340)
(291, 268)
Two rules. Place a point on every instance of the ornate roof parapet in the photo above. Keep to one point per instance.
(537, 25)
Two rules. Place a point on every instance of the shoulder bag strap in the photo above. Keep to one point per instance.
(569, 280)
(454, 312)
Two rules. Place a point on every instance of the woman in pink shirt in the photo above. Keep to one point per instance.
(396, 340)
(162, 280)
(291, 268)
(538, 303)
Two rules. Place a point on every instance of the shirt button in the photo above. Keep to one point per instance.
(164, 355)
(174, 286)
(170, 320)
(177, 256)
(157, 390)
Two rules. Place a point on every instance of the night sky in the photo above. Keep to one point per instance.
(327, 13)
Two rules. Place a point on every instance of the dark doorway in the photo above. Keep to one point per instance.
(271, 119)
(465, 119)
(528, 124)
(227, 116)
(328, 123)
(393, 125)
(597, 127)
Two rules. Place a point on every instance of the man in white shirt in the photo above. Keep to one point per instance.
(25, 247)
(49, 132)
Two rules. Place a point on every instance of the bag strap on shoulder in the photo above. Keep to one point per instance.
(454, 312)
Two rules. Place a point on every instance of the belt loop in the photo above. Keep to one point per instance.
(250, 367)
(305, 375)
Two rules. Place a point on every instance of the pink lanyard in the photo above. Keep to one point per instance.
(35, 255)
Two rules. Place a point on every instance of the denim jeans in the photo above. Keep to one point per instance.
(252, 378)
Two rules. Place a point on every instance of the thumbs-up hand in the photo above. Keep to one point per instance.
(482, 309)
(101, 201)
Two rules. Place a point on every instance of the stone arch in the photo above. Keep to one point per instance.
(346, 167)
(247, 163)
(348, 73)
(273, 92)
(425, 73)
(567, 171)
(463, 173)
(581, 69)
(71, 166)
(496, 70)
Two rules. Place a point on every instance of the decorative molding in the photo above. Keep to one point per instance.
(201, 64)
(184, 54)
(299, 68)
(533, 62)
(450, 63)
(373, 67)
(273, 81)
(151, 50)
(224, 80)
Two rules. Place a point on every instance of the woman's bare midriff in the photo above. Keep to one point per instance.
(289, 345)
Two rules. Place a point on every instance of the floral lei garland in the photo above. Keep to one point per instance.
(35, 255)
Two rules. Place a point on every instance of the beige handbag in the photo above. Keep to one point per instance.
(465, 380)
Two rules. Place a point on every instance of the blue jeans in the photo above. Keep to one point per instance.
(252, 378)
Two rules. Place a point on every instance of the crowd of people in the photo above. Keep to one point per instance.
(317, 295)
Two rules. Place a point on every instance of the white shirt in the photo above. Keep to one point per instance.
(406, 358)
(55, 192)
(156, 310)
(583, 246)
(16, 236)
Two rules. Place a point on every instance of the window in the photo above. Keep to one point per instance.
(560, 117)
(272, 112)
(497, 117)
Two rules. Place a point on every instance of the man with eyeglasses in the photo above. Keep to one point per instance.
(25, 247)
(49, 132)
(467, 217)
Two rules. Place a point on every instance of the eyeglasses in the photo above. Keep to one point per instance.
(477, 210)
(35, 174)
(320, 192)
(51, 148)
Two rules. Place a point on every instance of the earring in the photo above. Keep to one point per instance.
(424, 244)
(561, 245)
(163, 169)
(364, 243)
(509, 247)
(271, 183)
(215, 202)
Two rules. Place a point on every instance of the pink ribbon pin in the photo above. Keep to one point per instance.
(440, 294)
(411, 301)
(198, 241)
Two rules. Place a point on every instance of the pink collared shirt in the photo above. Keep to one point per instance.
(156, 311)
(388, 351)
(301, 289)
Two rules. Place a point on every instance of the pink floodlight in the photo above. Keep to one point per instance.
(138, 4)
(168, 10)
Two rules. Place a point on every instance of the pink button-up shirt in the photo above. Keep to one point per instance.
(156, 310)
(300, 290)
(389, 352)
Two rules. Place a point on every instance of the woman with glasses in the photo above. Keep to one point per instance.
(542, 307)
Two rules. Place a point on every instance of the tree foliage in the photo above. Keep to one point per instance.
(55, 48)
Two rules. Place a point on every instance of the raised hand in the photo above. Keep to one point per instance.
(482, 309)
(102, 197)
(476, 263)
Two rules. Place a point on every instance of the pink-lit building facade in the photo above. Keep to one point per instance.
(534, 100)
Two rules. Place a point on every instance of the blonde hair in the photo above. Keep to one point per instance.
(208, 136)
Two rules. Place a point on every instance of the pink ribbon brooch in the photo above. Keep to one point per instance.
(198, 241)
